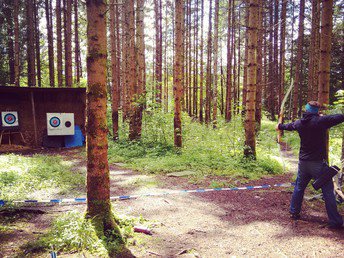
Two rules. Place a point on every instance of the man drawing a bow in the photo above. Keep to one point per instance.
(312, 130)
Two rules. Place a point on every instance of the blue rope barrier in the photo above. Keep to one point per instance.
(127, 197)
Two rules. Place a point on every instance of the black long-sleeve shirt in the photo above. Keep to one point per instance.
(312, 131)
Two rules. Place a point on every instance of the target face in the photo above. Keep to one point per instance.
(55, 121)
(9, 119)
(60, 124)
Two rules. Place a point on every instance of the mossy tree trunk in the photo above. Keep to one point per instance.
(178, 72)
(228, 109)
(250, 123)
(115, 78)
(98, 180)
(325, 56)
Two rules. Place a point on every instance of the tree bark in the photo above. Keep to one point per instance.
(250, 140)
(50, 33)
(209, 73)
(59, 43)
(10, 43)
(313, 64)
(158, 49)
(37, 44)
(16, 44)
(178, 71)
(299, 66)
(229, 86)
(282, 51)
(216, 48)
(77, 55)
(258, 114)
(98, 179)
(68, 42)
(201, 66)
(31, 43)
(114, 68)
(325, 56)
(134, 105)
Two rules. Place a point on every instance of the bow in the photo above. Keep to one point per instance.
(280, 116)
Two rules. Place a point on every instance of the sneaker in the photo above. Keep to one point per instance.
(295, 216)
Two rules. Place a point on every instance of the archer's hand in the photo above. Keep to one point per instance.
(277, 129)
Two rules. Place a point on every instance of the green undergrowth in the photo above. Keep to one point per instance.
(72, 232)
(32, 177)
(205, 150)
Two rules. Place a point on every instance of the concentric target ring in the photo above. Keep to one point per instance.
(10, 119)
(55, 121)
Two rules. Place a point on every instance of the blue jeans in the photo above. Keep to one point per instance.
(306, 171)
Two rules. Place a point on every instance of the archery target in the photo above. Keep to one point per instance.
(60, 123)
(9, 119)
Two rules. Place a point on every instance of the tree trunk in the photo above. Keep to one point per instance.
(68, 42)
(48, 15)
(258, 115)
(209, 73)
(114, 67)
(10, 43)
(229, 86)
(250, 140)
(282, 51)
(325, 56)
(277, 81)
(271, 87)
(134, 128)
(77, 55)
(138, 61)
(195, 83)
(201, 66)
(298, 68)
(31, 43)
(216, 48)
(16, 44)
(59, 43)
(178, 71)
(37, 44)
(98, 179)
(244, 87)
(165, 59)
(313, 64)
(158, 49)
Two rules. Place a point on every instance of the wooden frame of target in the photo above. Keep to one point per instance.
(9, 120)
(60, 124)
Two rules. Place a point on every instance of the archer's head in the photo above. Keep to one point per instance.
(313, 107)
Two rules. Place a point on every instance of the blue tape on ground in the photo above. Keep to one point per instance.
(126, 197)
(80, 199)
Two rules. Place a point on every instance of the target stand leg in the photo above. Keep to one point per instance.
(2, 132)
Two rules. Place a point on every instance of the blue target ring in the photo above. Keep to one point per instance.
(10, 119)
(55, 121)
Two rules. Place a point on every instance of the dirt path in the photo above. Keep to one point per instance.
(222, 223)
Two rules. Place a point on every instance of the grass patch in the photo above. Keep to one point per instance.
(30, 177)
(205, 150)
(72, 232)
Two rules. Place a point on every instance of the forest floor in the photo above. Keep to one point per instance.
(246, 223)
